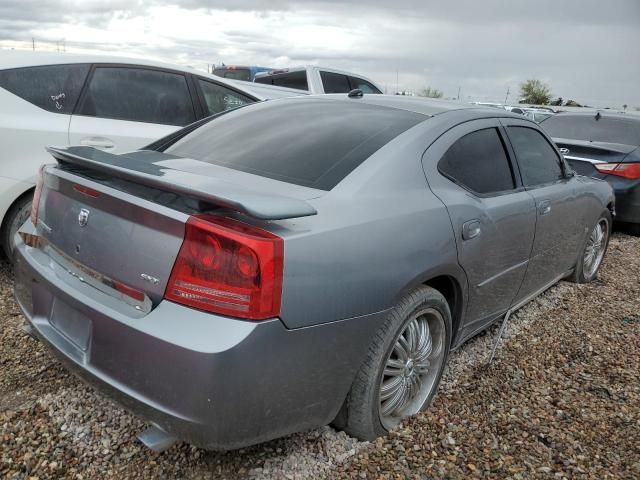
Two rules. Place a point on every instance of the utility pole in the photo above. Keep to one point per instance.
(397, 88)
(33, 43)
(459, 92)
(506, 96)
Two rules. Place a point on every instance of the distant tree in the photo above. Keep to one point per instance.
(430, 92)
(572, 103)
(557, 102)
(625, 106)
(535, 92)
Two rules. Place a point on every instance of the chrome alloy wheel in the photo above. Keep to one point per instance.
(412, 368)
(595, 248)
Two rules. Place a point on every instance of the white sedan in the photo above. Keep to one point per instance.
(114, 104)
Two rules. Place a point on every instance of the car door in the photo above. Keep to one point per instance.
(559, 223)
(493, 217)
(125, 107)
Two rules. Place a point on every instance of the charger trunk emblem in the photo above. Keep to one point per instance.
(83, 217)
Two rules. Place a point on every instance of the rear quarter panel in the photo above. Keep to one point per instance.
(378, 234)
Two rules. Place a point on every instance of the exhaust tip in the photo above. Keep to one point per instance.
(156, 439)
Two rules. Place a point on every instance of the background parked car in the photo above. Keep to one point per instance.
(236, 72)
(114, 104)
(604, 145)
(299, 261)
(537, 115)
(318, 80)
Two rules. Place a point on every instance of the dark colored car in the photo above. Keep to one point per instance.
(605, 146)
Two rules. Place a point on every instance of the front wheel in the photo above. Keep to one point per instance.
(594, 249)
(403, 368)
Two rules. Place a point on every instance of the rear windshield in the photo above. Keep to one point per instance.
(586, 127)
(309, 142)
(297, 80)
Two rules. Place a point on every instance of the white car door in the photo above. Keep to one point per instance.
(124, 108)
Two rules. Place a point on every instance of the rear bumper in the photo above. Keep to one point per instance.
(627, 199)
(212, 381)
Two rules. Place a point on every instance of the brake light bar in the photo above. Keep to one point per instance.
(90, 192)
(629, 170)
(228, 267)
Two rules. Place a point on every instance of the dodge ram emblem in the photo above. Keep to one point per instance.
(83, 217)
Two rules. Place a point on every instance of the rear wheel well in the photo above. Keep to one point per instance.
(450, 290)
(7, 217)
(610, 208)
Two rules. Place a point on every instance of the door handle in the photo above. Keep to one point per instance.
(98, 142)
(470, 229)
(544, 207)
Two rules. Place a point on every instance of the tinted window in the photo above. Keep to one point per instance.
(539, 163)
(478, 161)
(363, 85)
(139, 95)
(335, 82)
(54, 88)
(315, 142)
(586, 127)
(219, 98)
(235, 73)
(296, 80)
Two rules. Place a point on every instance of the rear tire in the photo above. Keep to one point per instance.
(593, 250)
(13, 220)
(392, 385)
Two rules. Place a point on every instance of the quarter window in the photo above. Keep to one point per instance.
(220, 99)
(139, 95)
(53, 87)
(478, 161)
(539, 163)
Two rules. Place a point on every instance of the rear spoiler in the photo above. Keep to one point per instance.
(139, 167)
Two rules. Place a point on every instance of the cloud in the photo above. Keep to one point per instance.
(585, 49)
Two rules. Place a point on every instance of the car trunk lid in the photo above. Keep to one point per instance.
(118, 222)
(583, 155)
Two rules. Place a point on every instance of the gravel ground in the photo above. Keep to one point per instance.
(561, 400)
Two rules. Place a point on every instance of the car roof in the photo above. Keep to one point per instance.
(422, 105)
(603, 114)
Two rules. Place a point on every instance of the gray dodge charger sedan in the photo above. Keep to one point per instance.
(300, 261)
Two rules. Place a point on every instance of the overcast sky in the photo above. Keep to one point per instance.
(587, 50)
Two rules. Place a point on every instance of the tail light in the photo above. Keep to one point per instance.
(228, 267)
(627, 170)
(35, 204)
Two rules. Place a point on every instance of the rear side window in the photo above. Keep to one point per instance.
(139, 95)
(314, 143)
(220, 99)
(335, 82)
(363, 85)
(478, 161)
(539, 163)
(53, 87)
(297, 80)
(586, 127)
